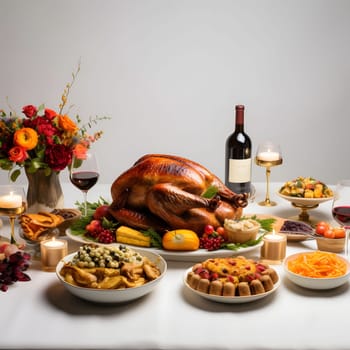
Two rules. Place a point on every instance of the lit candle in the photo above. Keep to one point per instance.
(10, 201)
(52, 251)
(268, 156)
(274, 248)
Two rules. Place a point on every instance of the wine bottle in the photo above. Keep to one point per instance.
(238, 156)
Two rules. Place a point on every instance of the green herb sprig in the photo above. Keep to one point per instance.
(266, 224)
(78, 227)
(156, 239)
(236, 246)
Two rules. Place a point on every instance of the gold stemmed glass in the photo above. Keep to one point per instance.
(12, 204)
(268, 155)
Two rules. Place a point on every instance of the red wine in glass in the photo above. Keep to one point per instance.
(341, 209)
(84, 174)
(84, 180)
(342, 215)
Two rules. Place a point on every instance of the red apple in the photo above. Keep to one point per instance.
(101, 212)
(94, 226)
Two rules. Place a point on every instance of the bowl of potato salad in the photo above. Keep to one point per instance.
(110, 274)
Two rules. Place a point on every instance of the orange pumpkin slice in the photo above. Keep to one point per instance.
(180, 240)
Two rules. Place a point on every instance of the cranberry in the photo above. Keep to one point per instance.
(214, 276)
(208, 229)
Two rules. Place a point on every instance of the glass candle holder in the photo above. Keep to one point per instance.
(274, 248)
(52, 251)
(267, 156)
(13, 203)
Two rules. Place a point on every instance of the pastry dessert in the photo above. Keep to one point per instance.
(233, 276)
(35, 226)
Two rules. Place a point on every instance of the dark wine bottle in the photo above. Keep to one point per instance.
(238, 157)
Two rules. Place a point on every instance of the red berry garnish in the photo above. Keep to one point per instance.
(106, 236)
(211, 242)
(208, 229)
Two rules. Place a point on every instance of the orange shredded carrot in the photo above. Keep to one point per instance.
(318, 264)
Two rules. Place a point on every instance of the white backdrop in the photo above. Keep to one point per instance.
(170, 72)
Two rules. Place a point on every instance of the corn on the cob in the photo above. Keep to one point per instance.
(128, 235)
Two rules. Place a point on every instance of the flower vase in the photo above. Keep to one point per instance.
(44, 192)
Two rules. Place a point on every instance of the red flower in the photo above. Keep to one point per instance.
(18, 154)
(44, 128)
(58, 157)
(29, 111)
(50, 114)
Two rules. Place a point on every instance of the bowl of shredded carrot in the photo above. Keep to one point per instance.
(317, 269)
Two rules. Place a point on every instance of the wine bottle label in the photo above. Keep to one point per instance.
(239, 170)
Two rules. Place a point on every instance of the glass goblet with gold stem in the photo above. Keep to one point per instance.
(12, 204)
(268, 155)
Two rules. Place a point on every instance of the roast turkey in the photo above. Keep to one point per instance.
(166, 192)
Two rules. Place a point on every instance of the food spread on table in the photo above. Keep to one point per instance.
(173, 204)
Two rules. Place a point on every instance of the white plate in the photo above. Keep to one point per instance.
(230, 300)
(114, 295)
(194, 256)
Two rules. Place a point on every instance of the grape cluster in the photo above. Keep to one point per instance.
(106, 236)
(102, 235)
(211, 242)
(11, 269)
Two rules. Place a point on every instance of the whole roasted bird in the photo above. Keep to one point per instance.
(166, 192)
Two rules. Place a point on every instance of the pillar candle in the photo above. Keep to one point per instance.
(10, 201)
(273, 250)
(268, 156)
(52, 251)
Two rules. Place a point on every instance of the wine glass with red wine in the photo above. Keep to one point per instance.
(84, 174)
(341, 208)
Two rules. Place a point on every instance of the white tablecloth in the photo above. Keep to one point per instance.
(42, 314)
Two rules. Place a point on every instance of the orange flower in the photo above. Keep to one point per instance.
(79, 151)
(27, 138)
(18, 154)
(67, 124)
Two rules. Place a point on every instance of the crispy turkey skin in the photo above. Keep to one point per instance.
(166, 192)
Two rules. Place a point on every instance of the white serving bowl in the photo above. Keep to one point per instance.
(114, 295)
(316, 283)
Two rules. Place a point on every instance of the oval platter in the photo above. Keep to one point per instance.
(194, 256)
